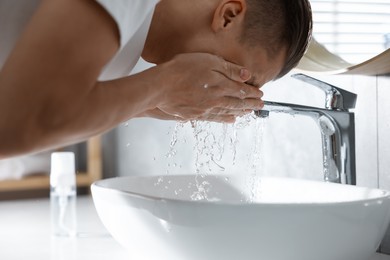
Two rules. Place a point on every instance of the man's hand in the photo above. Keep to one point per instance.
(229, 117)
(204, 87)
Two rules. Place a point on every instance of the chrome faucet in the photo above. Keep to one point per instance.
(337, 125)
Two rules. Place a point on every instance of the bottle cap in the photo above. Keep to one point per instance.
(63, 170)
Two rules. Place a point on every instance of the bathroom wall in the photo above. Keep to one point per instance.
(384, 131)
(384, 143)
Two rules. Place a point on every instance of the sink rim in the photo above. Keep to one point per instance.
(382, 194)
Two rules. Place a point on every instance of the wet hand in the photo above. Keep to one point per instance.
(202, 86)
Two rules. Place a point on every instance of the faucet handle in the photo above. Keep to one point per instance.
(336, 98)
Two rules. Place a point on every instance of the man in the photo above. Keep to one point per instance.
(60, 84)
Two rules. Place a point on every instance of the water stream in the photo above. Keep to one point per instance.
(220, 149)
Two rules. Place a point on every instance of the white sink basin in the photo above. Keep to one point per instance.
(156, 218)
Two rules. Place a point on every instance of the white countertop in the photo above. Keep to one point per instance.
(25, 234)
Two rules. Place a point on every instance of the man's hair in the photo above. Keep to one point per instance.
(279, 23)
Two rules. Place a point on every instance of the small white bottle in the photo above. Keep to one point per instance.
(63, 194)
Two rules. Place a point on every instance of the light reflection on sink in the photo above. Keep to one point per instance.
(287, 219)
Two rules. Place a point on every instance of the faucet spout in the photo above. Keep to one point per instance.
(337, 127)
(335, 98)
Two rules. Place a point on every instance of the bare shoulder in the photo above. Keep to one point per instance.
(70, 34)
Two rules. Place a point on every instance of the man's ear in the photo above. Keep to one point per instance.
(227, 13)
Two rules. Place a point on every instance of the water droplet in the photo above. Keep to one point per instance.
(167, 226)
(160, 180)
(172, 151)
(177, 192)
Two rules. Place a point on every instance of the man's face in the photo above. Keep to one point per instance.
(209, 29)
(263, 67)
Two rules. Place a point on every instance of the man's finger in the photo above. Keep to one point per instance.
(243, 91)
(233, 71)
(240, 104)
(231, 112)
(219, 118)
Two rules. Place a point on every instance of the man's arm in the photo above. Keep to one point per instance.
(47, 82)
(50, 96)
